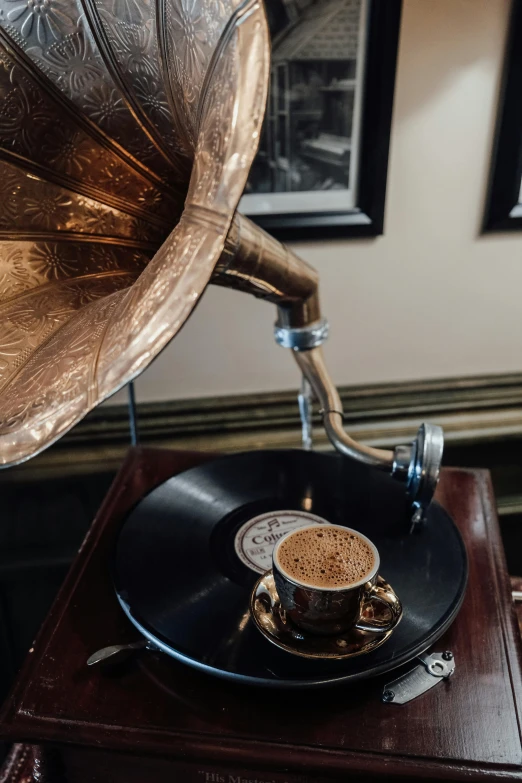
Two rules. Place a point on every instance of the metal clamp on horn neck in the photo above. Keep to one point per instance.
(302, 339)
(416, 465)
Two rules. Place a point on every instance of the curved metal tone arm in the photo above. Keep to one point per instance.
(255, 262)
(314, 369)
(417, 465)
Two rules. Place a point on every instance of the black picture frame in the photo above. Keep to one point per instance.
(367, 219)
(503, 208)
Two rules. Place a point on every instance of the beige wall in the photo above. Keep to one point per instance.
(431, 297)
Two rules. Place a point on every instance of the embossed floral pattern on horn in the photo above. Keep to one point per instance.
(127, 129)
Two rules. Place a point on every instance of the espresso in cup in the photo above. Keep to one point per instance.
(327, 557)
(326, 578)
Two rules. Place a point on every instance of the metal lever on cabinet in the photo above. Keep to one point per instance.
(115, 653)
(433, 669)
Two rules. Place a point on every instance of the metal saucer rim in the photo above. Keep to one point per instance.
(377, 642)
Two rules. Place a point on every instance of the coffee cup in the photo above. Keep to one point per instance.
(327, 579)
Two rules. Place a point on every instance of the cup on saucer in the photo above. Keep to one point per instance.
(324, 597)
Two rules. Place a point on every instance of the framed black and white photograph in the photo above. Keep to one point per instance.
(322, 163)
(504, 198)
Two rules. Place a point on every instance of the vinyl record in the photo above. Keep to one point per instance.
(190, 552)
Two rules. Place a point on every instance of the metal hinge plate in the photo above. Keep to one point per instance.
(432, 669)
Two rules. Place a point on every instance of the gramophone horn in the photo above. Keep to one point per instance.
(127, 131)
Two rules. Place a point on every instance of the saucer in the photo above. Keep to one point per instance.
(271, 620)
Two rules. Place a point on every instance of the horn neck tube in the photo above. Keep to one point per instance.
(255, 262)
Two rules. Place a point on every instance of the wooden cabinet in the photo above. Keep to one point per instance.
(156, 720)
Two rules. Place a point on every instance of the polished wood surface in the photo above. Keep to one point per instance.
(179, 725)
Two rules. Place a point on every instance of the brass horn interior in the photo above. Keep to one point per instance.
(127, 131)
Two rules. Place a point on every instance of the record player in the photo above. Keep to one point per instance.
(136, 195)
(89, 302)
(153, 717)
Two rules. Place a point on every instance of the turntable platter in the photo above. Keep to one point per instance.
(189, 553)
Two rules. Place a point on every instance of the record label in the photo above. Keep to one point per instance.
(255, 540)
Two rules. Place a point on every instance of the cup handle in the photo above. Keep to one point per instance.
(383, 593)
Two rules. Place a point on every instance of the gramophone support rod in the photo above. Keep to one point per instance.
(304, 400)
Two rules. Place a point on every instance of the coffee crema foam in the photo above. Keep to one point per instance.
(326, 557)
